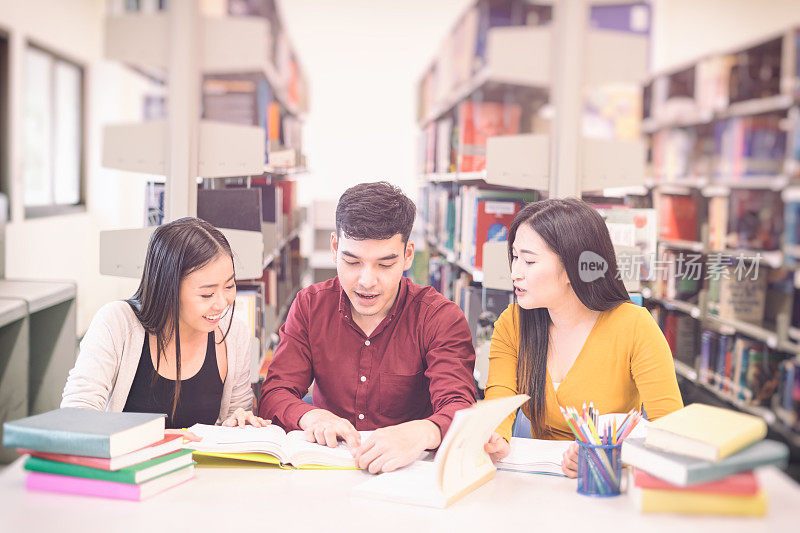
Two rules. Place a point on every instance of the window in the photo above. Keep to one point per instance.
(53, 134)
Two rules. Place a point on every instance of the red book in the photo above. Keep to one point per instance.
(168, 444)
(743, 483)
(493, 219)
(477, 122)
(678, 217)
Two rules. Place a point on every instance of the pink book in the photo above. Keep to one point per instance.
(169, 444)
(106, 489)
(743, 483)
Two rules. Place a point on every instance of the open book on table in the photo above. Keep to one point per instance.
(269, 444)
(461, 464)
(535, 456)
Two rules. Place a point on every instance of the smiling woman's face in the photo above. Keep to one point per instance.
(207, 294)
(537, 272)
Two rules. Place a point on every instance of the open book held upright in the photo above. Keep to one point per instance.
(461, 464)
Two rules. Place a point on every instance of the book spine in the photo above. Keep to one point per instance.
(81, 486)
(34, 464)
(65, 442)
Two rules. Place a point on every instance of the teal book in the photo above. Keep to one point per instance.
(133, 475)
(85, 432)
(683, 471)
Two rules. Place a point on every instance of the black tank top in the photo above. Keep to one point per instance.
(200, 396)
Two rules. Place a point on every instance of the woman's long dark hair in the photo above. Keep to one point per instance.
(569, 227)
(176, 249)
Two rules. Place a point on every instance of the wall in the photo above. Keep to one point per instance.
(684, 30)
(66, 247)
(364, 60)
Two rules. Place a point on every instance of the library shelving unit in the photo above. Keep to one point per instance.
(14, 339)
(500, 117)
(723, 174)
(229, 145)
(37, 346)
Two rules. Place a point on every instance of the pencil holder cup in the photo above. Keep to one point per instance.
(599, 469)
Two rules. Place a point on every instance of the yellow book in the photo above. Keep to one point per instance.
(269, 444)
(705, 432)
(253, 460)
(671, 501)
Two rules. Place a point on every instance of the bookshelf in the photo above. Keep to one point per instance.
(500, 116)
(230, 145)
(723, 131)
(37, 347)
(14, 355)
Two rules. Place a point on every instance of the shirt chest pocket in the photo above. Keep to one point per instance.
(402, 396)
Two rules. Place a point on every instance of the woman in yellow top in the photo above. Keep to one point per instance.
(573, 336)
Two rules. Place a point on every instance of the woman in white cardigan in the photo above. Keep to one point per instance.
(173, 347)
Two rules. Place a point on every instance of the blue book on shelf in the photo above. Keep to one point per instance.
(85, 432)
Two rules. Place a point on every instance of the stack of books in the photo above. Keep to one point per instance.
(700, 460)
(124, 456)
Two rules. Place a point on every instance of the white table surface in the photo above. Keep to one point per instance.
(268, 499)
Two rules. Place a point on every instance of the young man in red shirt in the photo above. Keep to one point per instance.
(384, 353)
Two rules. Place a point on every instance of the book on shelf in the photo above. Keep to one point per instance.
(131, 475)
(787, 398)
(682, 278)
(431, 141)
(85, 432)
(479, 303)
(237, 98)
(154, 203)
(705, 432)
(738, 292)
(791, 221)
(169, 444)
(484, 215)
(756, 72)
(460, 466)
(493, 218)
(681, 332)
(230, 208)
(686, 471)
(269, 444)
(749, 146)
(634, 235)
(679, 217)
(107, 489)
(756, 219)
(718, 212)
(444, 130)
(479, 120)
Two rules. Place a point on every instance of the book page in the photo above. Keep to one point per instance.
(302, 452)
(535, 456)
(269, 439)
(415, 484)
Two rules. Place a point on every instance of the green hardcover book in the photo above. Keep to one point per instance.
(132, 475)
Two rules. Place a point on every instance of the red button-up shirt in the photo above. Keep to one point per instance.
(417, 364)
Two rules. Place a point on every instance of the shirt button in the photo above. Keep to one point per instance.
(361, 417)
(363, 379)
(366, 343)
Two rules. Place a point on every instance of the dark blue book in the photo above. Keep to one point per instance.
(683, 471)
(85, 432)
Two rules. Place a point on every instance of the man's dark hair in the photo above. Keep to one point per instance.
(374, 211)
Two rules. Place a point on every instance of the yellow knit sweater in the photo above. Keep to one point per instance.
(625, 362)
